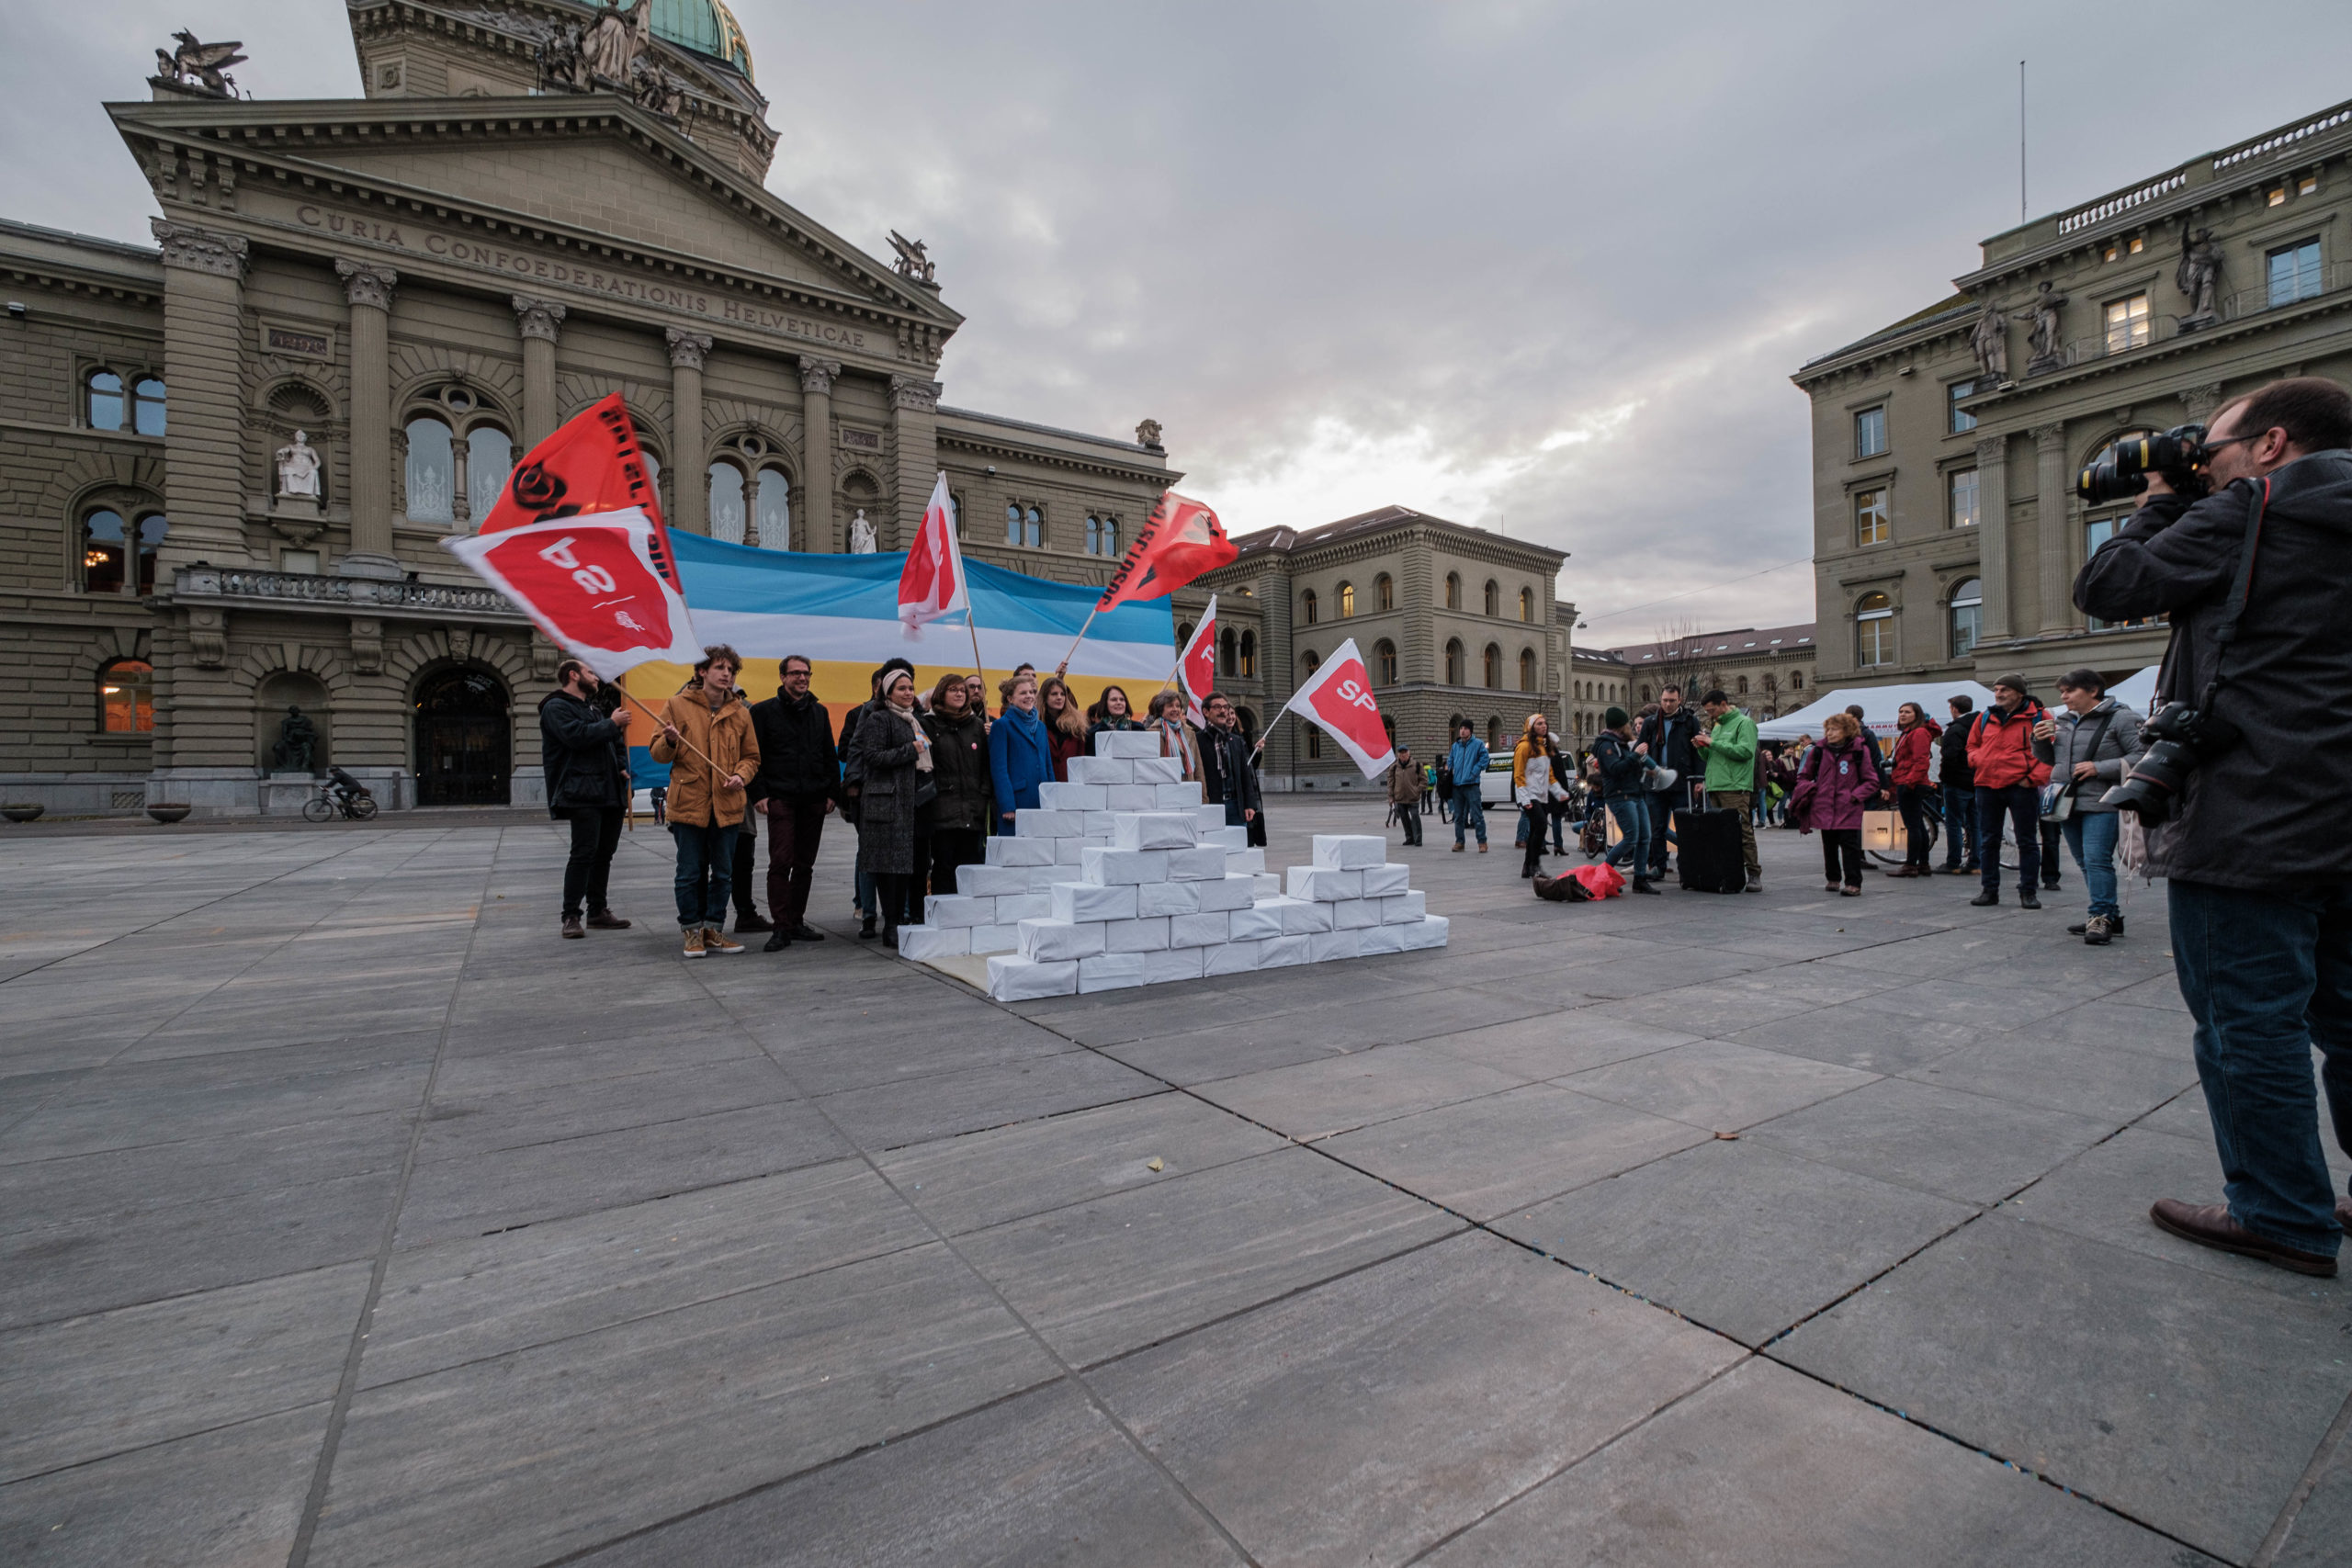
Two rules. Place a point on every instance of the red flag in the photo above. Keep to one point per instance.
(932, 583)
(1178, 542)
(591, 464)
(1337, 697)
(1197, 667)
(591, 584)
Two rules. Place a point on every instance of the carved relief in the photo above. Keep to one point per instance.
(365, 283)
(915, 394)
(366, 644)
(817, 375)
(537, 318)
(688, 350)
(208, 641)
(199, 250)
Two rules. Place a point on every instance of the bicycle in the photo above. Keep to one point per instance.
(340, 792)
(1934, 810)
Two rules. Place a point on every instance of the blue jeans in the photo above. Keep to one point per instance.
(1959, 825)
(2020, 805)
(2267, 977)
(1633, 813)
(1469, 811)
(2090, 838)
(705, 874)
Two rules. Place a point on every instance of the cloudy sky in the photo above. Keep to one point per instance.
(1545, 267)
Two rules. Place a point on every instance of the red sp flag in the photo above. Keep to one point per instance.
(931, 583)
(1179, 541)
(1197, 667)
(592, 585)
(591, 465)
(1337, 697)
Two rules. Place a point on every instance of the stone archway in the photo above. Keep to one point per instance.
(463, 741)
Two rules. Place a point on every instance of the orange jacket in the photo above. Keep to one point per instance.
(2000, 747)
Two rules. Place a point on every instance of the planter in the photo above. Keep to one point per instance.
(22, 811)
(169, 813)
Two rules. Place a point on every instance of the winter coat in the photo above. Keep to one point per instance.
(1104, 726)
(1466, 761)
(1405, 784)
(2118, 746)
(1731, 754)
(1177, 740)
(721, 743)
(1621, 768)
(1844, 778)
(1226, 776)
(1520, 755)
(882, 764)
(959, 759)
(796, 757)
(1911, 753)
(585, 755)
(2000, 748)
(2268, 812)
(1065, 746)
(1670, 738)
(1956, 770)
(1019, 761)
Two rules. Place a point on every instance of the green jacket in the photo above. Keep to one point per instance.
(1731, 753)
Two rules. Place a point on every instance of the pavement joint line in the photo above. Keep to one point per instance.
(346, 1383)
(165, 1442)
(2275, 1541)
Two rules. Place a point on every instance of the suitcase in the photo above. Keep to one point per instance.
(1708, 849)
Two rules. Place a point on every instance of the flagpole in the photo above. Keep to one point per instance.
(1064, 666)
(977, 668)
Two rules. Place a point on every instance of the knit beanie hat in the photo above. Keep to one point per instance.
(1616, 718)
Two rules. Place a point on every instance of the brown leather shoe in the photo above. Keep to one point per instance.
(571, 926)
(2210, 1225)
(606, 920)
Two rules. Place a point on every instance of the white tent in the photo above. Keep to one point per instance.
(2138, 693)
(1878, 705)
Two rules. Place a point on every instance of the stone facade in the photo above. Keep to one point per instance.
(1947, 531)
(424, 282)
(1768, 671)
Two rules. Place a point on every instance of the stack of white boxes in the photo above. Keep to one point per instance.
(1121, 878)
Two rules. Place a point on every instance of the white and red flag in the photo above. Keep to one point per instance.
(1178, 542)
(931, 584)
(1196, 666)
(591, 466)
(1337, 697)
(594, 583)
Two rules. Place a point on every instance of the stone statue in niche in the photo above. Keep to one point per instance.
(860, 535)
(297, 742)
(298, 469)
(616, 38)
(2198, 275)
(1989, 341)
(2042, 312)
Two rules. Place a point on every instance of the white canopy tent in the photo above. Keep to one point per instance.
(1878, 705)
(2139, 693)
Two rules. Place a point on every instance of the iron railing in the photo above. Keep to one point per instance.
(346, 593)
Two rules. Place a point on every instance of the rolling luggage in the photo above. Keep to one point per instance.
(1709, 849)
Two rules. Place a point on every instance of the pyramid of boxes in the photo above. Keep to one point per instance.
(1121, 877)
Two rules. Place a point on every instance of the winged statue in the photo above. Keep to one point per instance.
(914, 260)
(204, 66)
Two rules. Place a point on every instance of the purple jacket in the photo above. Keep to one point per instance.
(1833, 784)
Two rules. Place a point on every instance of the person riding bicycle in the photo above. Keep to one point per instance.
(346, 787)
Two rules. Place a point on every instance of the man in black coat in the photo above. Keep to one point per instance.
(794, 790)
(1671, 734)
(2258, 579)
(583, 748)
(1959, 784)
(1227, 777)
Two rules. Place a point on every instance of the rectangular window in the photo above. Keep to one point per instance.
(2294, 273)
(1874, 640)
(1960, 419)
(1965, 512)
(1870, 432)
(2096, 532)
(1869, 517)
(2128, 324)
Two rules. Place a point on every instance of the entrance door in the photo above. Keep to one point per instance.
(465, 744)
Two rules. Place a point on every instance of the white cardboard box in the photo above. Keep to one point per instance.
(1209, 816)
(1253, 861)
(1108, 867)
(996, 938)
(920, 944)
(957, 910)
(1255, 923)
(1380, 881)
(1169, 897)
(1153, 830)
(1196, 865)
(1198, 930)
(1172, 964)
(1037, 823)
(1047, 941)
(1071, 851)
(1176, 796)
(1078, 902)
(1227, 837)
(1280, 951)
(1131, 744)
(1015, 908)
(1404, 908)
(1160, 770)
(1430, 932)
(1349, 852)
(1132, 797)
(1019, 980)
(1227, 892)
(1233, 958)
(1268, 885)
(1325, 946)
(1322, 884)
(1110, 972)
(1138, 935)
(1101, 770)
(988, 881)
(1381, 939)
(1057, 797)
(1354, 914)
(1004, 850)
(1300, 916)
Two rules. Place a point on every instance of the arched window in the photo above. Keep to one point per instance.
(490, 458)
(1384, 662)
(1967, 616)
(1248, 655)
(1494, 668)
(1796, 679)
(147, 406)
(1012, 523)
(1645, 694)
(1346, 600)
(127, 698)
(1453, 661)
(773, 509)
(119, 557)
(1228, 661)
(1527, 605)
(1310, 661)
(1110, 535)
(1453, 590)
(1526, 669)
(1494, 734)
(1743, 685)
(1024, 525)
(103, 394)
(1873, 631)
(954, 504)
(1183, 634)
(726, 511)
(1494, 597)
(1307, 610)
(1384, 591)
(432, 472)
(1093, 534)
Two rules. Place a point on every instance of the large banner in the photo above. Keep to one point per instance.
(841, 612)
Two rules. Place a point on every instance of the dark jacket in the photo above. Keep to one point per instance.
(1621, 768)
(1954, 744)
(1065, 746)
(882, 764)
(1225, 773)
(959, 758)
(1670, 740)
(585, 754)
(2268, 813)
(796, 757)
(1105, 726)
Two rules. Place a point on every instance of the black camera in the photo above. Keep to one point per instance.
(2117, 473)
(2184, 737)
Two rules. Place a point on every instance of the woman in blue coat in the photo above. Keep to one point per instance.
(1021, 756)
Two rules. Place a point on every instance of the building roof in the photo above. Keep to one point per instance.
(1747, 642)
(1376, 521)
(1598, 655)
(1945, 313)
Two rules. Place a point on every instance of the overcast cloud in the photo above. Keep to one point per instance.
(1546, 267)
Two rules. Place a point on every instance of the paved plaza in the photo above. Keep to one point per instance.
(351, 1218)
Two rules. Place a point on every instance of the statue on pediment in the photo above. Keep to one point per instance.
(654, 88)
(1989, 341)
(616, 37)
(914, 259)
(298, 468)
(562, 64)
(1148, 432)
(200, 67)
(2049, 353)
(2198, 275)
(860, 535)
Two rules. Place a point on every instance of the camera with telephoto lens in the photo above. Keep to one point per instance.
(2119, 473)
(2183, 739)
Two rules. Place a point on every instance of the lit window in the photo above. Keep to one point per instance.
(1383, 588)
(2294, 271)
(727, 513)
(1961, 418)
(1873, 631)
(1346, 600)
(1871, 526)
(1248, 669)
(2139, 244)
(2128, 325)
(1453, 590)
(1526, 669)
(1527, 605)
(2307, 184)
(2278, 198)
(127, 698)
(1967, 617)
(432, 472)
(1308, 612)
(1870, 432)
(1453, 662)
(103, 549)
(105, 389)
(1494, 668)
(1965, 511)
(773, 510)
(490, 458)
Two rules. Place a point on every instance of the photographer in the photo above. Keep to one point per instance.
(2244, 788)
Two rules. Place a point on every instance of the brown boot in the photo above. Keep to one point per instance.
(572, 928)
(606, 920)
(715, 941)
(2210, 1225)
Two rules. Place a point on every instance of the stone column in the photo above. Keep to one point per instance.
(204, 274)
(1992, 534)
(540, 322)
(823, 530)
(369, 288)
(914, 443)
(690, 492)
(2053, 513)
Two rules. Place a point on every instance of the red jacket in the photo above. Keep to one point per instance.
(2000, 748)
(1912, 749)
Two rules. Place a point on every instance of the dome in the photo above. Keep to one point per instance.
(706, 27)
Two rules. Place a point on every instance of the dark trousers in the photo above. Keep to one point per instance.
(706, 871)
(1530, 829)
(1412, 819)
(1664, 803)
(1912, 801)
(2020, 806)
(951, 848)
(1841, 855)
(2050, 834)
(1959, 825)
(1559, 815)
(2267, 977)
(795, 825)
(746, 870)
(596, 836)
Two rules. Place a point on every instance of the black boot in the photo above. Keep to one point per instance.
(776, 943)
(1990, 896)
(865, 928)
(803, 931)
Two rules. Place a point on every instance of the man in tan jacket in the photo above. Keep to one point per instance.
(707, 739)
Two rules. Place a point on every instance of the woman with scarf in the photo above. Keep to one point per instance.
(1175, 736)
(961, 818)
(1109, 712)
(890, 762)
(1020, 755)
